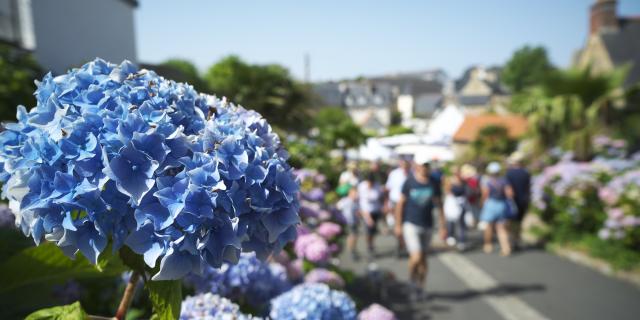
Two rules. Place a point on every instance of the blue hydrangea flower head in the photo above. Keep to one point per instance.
(250, 281)
(113, 153)
(313, 301)
(210, 307)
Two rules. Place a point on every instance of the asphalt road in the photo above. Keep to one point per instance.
(531, 284)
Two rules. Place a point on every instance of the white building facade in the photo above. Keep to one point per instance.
(67, 33)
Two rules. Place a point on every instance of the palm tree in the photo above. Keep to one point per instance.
(570, 106)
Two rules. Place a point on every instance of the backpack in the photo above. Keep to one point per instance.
(473, 190)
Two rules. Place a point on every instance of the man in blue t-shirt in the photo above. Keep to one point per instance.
(420, 195)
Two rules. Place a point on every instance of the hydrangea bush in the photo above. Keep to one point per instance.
(313, 301)
(250, 281)
(621, 197)
(115, 154)
(596, 197)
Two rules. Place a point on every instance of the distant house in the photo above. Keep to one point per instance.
(67, 33)
(371, 101)
(419, 98)
(369, 104)
(479, 90)
(613, 41)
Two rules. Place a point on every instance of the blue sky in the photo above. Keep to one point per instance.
(346, 38)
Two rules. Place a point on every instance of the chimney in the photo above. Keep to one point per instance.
(603, 17)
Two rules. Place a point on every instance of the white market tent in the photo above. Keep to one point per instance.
(423, 152)
(435, 145)
(446, 122)
(373, 150)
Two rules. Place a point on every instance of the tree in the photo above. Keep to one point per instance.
(398, 129)
(269, 89)
(492, 143)
(570, 106)
(18, 70)
(332, 129)
(336, 129)
(189, 71)
(527, 67)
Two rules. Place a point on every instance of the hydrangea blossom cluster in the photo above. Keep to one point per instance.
(210, 307)
(609, 147)
(329, 230)
(313, 301)
(377, 312)
(314, 195)
(313, 248)
(114, 153)
(328, 277)
(562, 178)
(627, 184)
(621, 196)
(250, 281)
(617, 224)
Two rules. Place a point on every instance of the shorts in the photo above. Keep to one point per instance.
(494, 210)
(416, 238)
(372, 230)
(353, 227)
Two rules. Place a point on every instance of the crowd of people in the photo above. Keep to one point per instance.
(415, 198)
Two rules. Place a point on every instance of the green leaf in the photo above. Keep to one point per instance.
(134, 313)
(307, 266)
(69, 312)
(132, 260)
(166, 298)
(47, 264)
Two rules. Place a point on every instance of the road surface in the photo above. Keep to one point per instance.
(531, 284)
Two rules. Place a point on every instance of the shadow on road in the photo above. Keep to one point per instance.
(384, 289)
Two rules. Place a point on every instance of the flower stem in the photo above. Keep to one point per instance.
(129, 292)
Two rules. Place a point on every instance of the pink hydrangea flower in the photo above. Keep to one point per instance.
(329, 230)
(312, 247)
(328, 277)
(377, 312)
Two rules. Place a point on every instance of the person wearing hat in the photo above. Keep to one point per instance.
(496, 194)
(520, 181)
(472, 182)
(414, 214)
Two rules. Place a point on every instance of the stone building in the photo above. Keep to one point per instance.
(613, 42)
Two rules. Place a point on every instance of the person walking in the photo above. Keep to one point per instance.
(420, 196)
(520, 181)
(455, 209)
(348, 178)
(348, 206)
(496, 193)
(395, 181)
(474, 191)
(370, 195)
